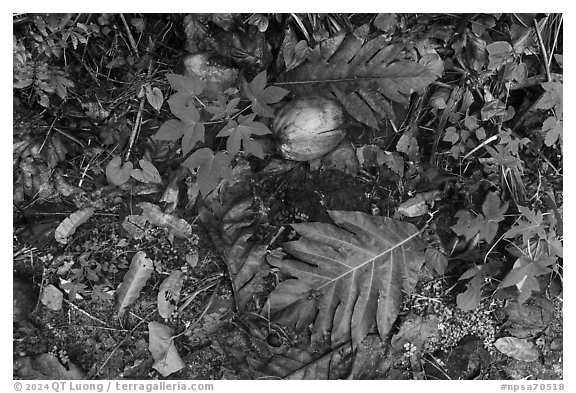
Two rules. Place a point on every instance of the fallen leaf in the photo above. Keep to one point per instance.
(71, 223)
(177, 226)
(192, 257)
(169, 294)
(417, 205)
(140, 270)
(47, 367)
(518, 348)
(161, 345)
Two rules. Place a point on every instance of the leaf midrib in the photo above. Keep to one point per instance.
(354, 269)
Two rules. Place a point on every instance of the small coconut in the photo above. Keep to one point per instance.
(309, 127)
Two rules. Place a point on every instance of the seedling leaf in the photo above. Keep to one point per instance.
(116, 173)
(155, 98)
(147, 174)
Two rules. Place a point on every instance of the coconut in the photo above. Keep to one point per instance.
(309, 127)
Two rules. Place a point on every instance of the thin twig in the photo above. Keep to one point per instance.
(138, 122)
(135, 128)
(188, 300)
(71, 137)
(68, 302)
(48, 134)
(543, 50)
(204, 311)
(487, 141)
(130, 38)
(555, 41)
(122, 342)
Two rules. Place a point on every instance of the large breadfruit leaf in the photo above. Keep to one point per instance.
(347, 277)
(304, 361)
(363, 76)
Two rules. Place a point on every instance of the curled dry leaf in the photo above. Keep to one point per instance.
(69, 225)
(134, 226)
(177, 226)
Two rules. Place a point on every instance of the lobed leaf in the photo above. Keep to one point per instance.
(348, 276)
(211, 168)
(364, 77)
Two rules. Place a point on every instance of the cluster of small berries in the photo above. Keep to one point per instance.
(60, 354)
(429, 299)
(433, 298)
(481, 322)
(409, 349)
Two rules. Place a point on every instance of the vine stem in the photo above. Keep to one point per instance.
(130, 38)
(138, 122)
(543, 50)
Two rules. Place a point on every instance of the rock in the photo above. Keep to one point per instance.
(24, 300)
(213, 70)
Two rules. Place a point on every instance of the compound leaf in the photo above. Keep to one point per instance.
(241, 132)
(261, 96)
(211, 168)
(523, 275)
(485, 225)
